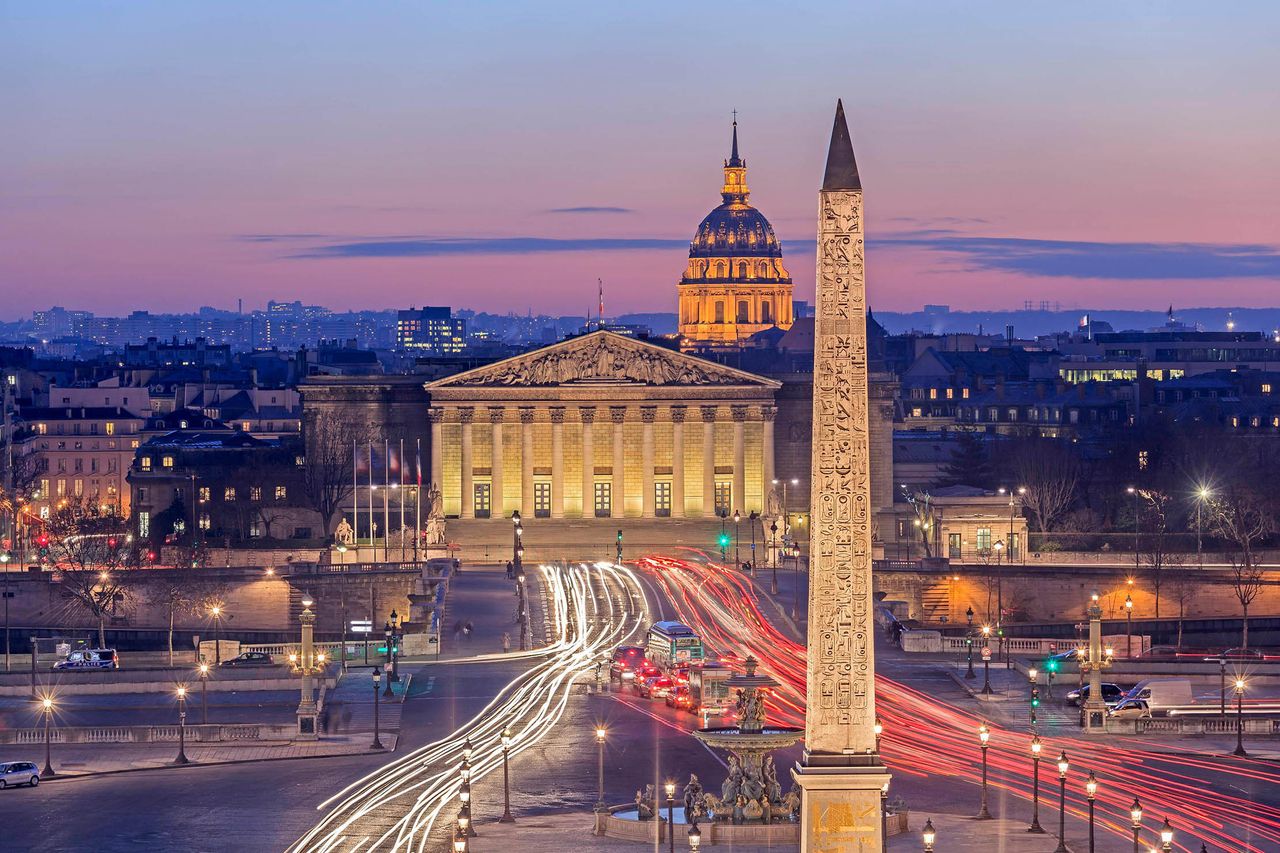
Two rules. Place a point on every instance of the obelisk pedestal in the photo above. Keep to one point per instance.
(840, 774)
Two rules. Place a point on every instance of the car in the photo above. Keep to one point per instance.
(626, 661)
(1111, 694)
(1237, 654)
(1131, 709)
(680, 698)
(16, 773)
(90, 659)
(1068, 655)
(643, 673)
(654, 687)
(249, 659)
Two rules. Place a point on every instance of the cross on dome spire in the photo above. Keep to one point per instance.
(735, 172)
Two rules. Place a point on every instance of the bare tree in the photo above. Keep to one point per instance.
(1155, 540)
(1049, 470)
(922, 506)
(94, 555)
(180, 591)
(1183, 587)
(330, 442)
(1241, 516)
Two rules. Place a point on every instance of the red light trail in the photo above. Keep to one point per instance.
(924, 736)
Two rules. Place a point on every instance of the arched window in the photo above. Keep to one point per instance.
(742, 269)
(719, 269)
(766, 315)
(742, 311)
(762, 270)
(719, 311)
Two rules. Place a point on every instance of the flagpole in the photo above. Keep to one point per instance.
(386, 499)
(355, 494)
(417, 501)
(400, 499)
(373, 543)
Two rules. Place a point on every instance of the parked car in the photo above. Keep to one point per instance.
(1069, 654)
(654, 687)
(1111, 694)
(680, 698)
(15, 773)
(90, 659)
(626, 661)
(249, 659)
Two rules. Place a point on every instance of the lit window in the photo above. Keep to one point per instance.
(951, 393)
(255, 493)
(281, 493)
(229, 493)
(167, 461)
(204, 494)
(255, 529)
(1266, 388)
(204, 521)
(144, 524)
(145, 463)
(964, 393)
(933, 393)
(111, 428)
(917, 412)
(1143, 459)
(42, 429)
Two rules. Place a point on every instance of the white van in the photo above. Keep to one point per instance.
(1155, 697)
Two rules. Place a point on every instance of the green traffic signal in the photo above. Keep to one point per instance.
(724, 540)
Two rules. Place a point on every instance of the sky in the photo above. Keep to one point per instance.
(503, 156)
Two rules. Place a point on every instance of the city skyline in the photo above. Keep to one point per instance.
(1114, 157)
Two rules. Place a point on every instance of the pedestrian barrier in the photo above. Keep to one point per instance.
(150, 734)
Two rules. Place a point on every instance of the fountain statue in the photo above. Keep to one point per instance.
(751, 791)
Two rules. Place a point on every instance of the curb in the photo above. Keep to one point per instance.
(73, 776)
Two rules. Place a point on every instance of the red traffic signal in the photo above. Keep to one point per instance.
(42, 540)
(111, 543)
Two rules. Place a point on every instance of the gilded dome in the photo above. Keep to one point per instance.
(735, 229)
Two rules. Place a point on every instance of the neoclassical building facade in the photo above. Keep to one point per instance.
(602, 426)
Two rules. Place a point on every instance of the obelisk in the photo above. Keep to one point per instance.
(840, 773)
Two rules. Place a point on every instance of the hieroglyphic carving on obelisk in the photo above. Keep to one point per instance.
(840, 773)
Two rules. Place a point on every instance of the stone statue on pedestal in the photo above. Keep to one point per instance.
(344, 535)
(435, 516)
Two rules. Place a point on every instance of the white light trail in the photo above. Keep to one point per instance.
(591, 609)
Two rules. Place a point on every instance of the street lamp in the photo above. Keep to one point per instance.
(377, 677)
(520, 604)
(884, 817)
(773, 554)
(517, 534)
(1135, 815)
(1091, 791)
(1222, 686)
(182, 727)
(984, 736)
(929, 836)
(506, 778)
(1035, 827)
(1239, 752)
(695, 836)
(1063, 766)
(968, 615)
(600, 734)
(737, 533)
(670, 788)
(460, 840)
(1128, 626)
(216, 612)
(1202, 494)
(389, 635)
(878, 728)
(204, 693)
(46, 707)
(986, 660)
(1136, 513)
(1166, 836)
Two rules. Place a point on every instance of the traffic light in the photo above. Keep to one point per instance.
(619, 560)
(1051, 665)
(1035, 697)
(724, 541)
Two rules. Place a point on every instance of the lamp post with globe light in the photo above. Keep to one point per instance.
(984, 738)
(1128, 626)
(308, 663)
(968, 615)
(1239, 750)
(600, 735)
(1135, 819)
(1091, 793)
(1166, 836)
(670, 788)
(204, 693)
(46, 708)
(929, 835)
(1036, 747)
(506, 778)
(1063, 766)
(182, 727)
(986, 660)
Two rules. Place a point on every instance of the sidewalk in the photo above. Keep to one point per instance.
(555, 833)
(77, 760)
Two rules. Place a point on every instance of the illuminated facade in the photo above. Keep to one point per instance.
(432, 329)
(735, 284)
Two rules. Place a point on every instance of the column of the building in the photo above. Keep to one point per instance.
(677, 461)
(557, 461)
(767, 416)
(618, 490)
(708, 461)
(588, 414)
(647, 500)
(465, 415)
(739, 458)
(526, 461)
(435, 476)
(496, 507)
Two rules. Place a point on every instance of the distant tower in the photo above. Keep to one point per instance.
(735, 284)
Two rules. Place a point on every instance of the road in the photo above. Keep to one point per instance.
(930, 735)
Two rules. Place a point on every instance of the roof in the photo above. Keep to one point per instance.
(76, 413)
(842, 168)
(207, 440)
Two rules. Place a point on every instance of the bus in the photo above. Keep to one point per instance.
(709, 695)
(671, 645)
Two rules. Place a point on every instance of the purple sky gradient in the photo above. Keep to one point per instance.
(1099, 155)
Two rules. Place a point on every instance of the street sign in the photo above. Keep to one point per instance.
(986, 653)
(361, 626)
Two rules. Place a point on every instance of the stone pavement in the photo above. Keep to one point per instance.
(77, 760)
